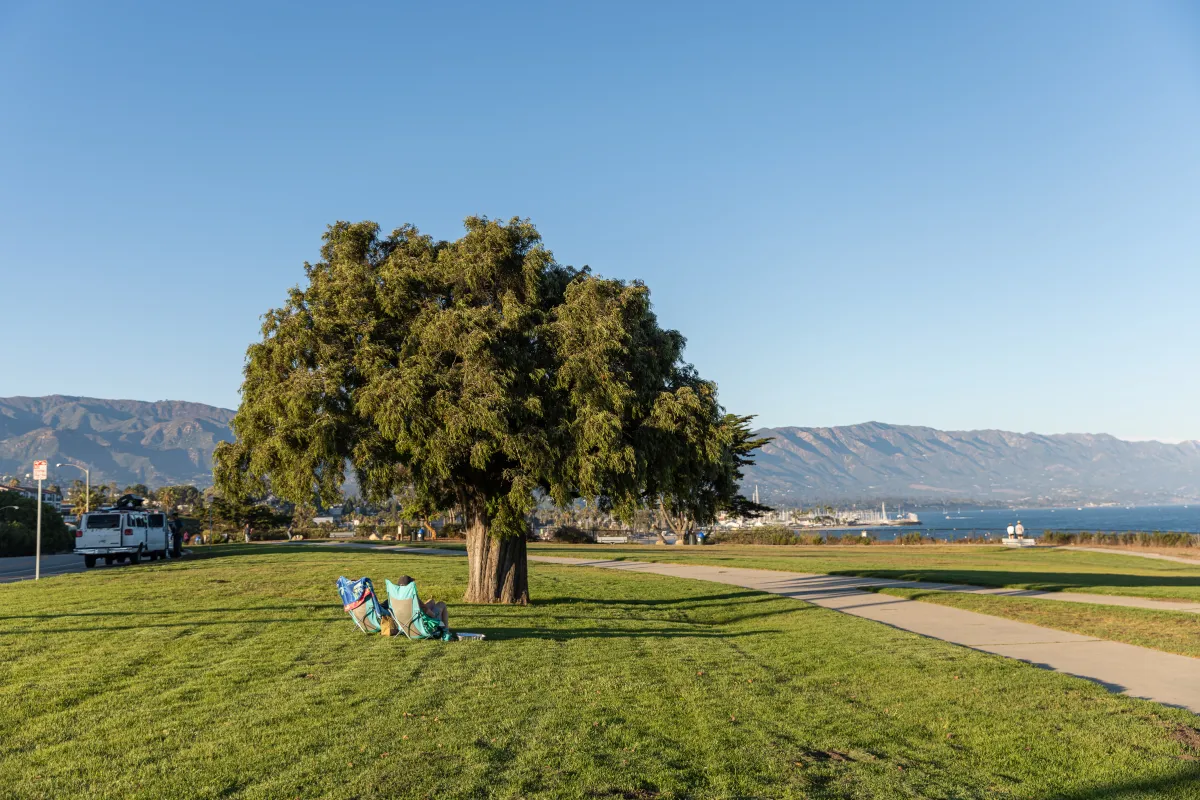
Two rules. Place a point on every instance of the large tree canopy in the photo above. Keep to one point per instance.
(479, 373)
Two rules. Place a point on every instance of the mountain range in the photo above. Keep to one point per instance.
(123, 441)
(877, 461)
(171, 442)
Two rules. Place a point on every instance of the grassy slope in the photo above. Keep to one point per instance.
(239, 676)
(982, 565)
(1170, 631)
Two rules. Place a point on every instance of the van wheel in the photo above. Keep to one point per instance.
(89, 561)
(135, 558)
(108, 560)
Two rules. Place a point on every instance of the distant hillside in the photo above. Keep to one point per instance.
(168, 442)
(875, 461)
(126, 441)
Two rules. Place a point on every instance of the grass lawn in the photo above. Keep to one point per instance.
(237, 674)
(1049, 569)
(1170, 631)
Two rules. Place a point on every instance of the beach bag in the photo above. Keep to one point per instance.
(360, 602)
(415, 623)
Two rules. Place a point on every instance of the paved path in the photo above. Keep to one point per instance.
(1195, 562)
(1137, 671)
(1186, 606)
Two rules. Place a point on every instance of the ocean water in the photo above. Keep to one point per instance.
(957, 523)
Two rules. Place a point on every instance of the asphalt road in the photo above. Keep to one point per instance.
(20, 568)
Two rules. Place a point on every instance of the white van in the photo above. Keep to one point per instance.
(158, 534)
(117, 535)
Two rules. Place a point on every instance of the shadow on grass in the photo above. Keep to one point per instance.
(672, 601)
(162, 612)
(1040, 581)
(706, 623)
(241, 623)
(494, 634)
(1185, 779)
(514, 634)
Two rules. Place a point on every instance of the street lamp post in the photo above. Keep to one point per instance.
(87, 492)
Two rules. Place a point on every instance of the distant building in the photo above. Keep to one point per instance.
(53, 498)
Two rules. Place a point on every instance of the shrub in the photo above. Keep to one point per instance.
(453, 530)
(18, 528)
(764, 535)
(852, 539)
(569, 534)
(267, 536)
(1124, 539)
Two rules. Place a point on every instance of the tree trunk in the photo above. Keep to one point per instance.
(497, 571)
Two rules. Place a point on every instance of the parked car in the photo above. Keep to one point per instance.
(120, 535)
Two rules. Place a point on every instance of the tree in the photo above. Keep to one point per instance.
(79, 497)
(701, 479)
(18, 527)
(481, 373)
(237, 512)
(171, 497)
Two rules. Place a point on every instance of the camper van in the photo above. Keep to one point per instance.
(120, 534)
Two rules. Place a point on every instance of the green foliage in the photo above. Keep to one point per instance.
(171, 497)
(779, 535)
(767, 534)
(482, 374)
(237, 512)
(452, 530)
(569, 534)
(18, 527)
(1124, 539)
(78, 497)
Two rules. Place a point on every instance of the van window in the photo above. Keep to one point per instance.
(139, 522)
(156, 521)
(102, 521)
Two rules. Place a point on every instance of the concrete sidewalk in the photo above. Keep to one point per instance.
(1126, 601)
(1136, 671)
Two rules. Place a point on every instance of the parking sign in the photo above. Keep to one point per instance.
(39, 470)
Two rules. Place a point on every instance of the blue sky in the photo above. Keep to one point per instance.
(964, 215)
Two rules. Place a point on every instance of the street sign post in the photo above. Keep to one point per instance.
(39, 474)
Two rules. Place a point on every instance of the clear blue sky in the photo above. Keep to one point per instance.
(961, 215)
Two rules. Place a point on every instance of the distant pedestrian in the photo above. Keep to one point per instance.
(176, 535)
(246, 532)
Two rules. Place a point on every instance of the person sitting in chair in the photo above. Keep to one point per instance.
(432, 608)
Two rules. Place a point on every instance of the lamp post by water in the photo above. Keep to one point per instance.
(87, 477)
